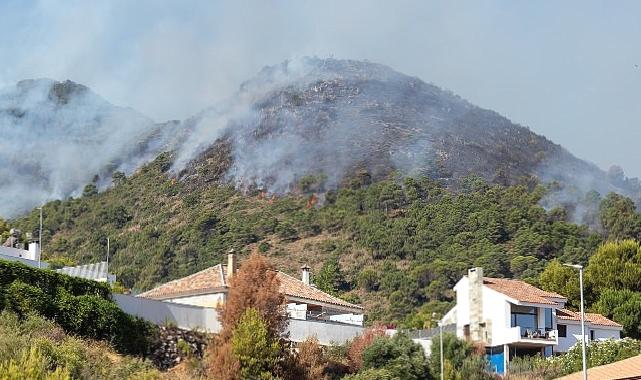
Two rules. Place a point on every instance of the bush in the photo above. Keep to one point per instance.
(254, 348)
(599, 353)
(20, 338)
(29, 366)
(399, 355)
(80, 306)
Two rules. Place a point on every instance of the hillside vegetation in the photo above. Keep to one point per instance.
(395, 245)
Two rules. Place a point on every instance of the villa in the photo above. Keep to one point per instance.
(512, 318)
(209, 287)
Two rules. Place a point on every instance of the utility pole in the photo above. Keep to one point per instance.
(583, 339)
(107, 257)
(40, 238)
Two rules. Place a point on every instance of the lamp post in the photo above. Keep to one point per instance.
(440, 330)
(40, 237)
(585, 366)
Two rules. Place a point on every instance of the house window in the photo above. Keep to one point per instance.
(591, 334)
(548, 319)
(563, 331)
(524, 317)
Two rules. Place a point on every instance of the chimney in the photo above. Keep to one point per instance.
(475, 281)
(305, 278)
(231, 264)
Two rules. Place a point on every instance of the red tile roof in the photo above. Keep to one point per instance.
(522, 291)
(593, 318)
(214, 280)
(628, 369)
(210, 280)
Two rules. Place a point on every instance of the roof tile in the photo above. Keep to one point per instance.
(522, 291)
(593, 318)
(214, 279)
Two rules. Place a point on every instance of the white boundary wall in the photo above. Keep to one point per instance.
(184, 316)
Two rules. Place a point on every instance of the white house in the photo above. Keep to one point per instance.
(513, 318)
(208, 288)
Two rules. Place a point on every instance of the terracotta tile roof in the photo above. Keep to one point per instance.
(593, 318)
(522, 291)
(214, 280)
(211, 279)
(628, 369)
(296, 288)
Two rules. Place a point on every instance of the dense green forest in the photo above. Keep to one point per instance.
(397, 246)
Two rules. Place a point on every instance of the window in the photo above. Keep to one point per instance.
(548, 319)
(591, 334)
(563, 331)
(524, 317)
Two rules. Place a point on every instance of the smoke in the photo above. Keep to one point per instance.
(321, 117)
(58, 136)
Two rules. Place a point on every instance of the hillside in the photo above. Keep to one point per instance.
(393, 245)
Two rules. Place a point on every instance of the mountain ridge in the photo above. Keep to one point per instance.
(324, 118)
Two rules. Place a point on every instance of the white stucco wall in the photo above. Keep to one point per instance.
(574, 334)
(462, 305)
(204, 300)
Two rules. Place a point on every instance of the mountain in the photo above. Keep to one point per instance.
(319, 121)
(335, 118)
(59, 136)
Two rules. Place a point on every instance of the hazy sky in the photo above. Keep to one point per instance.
(568, 70)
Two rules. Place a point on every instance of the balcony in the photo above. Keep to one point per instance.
(532, 337)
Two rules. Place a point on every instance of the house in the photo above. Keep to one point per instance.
(12, 250)
(512, 318)
(209, 287)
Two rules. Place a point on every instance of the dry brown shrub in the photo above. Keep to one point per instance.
(254, 285)
(359, 344)
(312, 359)
(223, 364)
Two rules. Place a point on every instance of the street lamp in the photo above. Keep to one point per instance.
(440, 328)
(585, 366)
(40, 237)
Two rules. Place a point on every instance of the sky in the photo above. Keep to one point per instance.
(569, 70)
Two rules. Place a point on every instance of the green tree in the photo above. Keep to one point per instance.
(89, 190)
(624, 306)
(399, 355)
(255, 349)
(562, 280)
(330, 279)
(619, 217)
(455, 351)
(615, 265)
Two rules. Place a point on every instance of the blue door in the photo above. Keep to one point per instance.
(496, 356)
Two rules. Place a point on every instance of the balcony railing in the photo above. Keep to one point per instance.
(523, 334)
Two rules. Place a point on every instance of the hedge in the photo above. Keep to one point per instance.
(49, 281)
(81, 307)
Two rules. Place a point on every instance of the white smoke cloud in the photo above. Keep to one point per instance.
(57, 137)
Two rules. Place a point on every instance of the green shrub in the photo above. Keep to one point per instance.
(399, 356)
(80, 306)
(31, 365)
